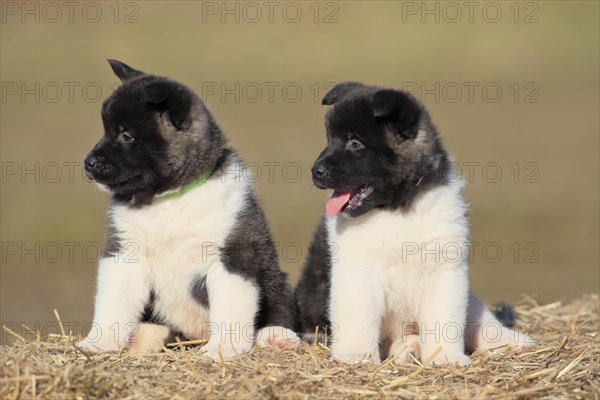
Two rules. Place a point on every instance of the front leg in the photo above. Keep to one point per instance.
(356, 306)
(123, 289)
(233, 305)
(443, 316)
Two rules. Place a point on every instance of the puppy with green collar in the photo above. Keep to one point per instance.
(188, 249)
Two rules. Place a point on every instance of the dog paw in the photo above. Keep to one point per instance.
(507, 339)
(348, 354)
(278, 337)
(354, 358)
(216, 350)
(99, 345)
(451, 358)
(406, 349)
(517, 341)
(149, 338)
(523, 341)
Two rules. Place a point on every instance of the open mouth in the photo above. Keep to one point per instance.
(352, 199)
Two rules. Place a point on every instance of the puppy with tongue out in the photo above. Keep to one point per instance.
(373, 284)
(337, 202)
(341, 200)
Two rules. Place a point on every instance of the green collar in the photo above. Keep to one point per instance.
(190, 186)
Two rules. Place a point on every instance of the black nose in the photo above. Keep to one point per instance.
(318, 171)
(90, 162)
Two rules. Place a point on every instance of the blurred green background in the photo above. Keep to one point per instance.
(513, 88)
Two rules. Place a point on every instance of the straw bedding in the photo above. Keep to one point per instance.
(565, 364)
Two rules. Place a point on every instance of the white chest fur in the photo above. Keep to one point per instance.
(176, 240)
(402, 277)
(400, 240)
(400, 265)
(170, 234)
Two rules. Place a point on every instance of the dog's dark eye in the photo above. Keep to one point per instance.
(126, 137)
(354, 145)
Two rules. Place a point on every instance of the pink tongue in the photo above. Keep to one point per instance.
(337, 201)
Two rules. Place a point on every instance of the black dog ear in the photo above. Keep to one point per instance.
(399, 109)
(123, 71)
(340, 90)
(170, 97)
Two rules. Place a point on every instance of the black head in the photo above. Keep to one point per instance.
(158, 136)
(382, 150)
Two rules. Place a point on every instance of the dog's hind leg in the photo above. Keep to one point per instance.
(406, 349)
(484, 331)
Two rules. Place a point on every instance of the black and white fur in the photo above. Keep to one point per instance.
(388, 274)
(201, 265)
